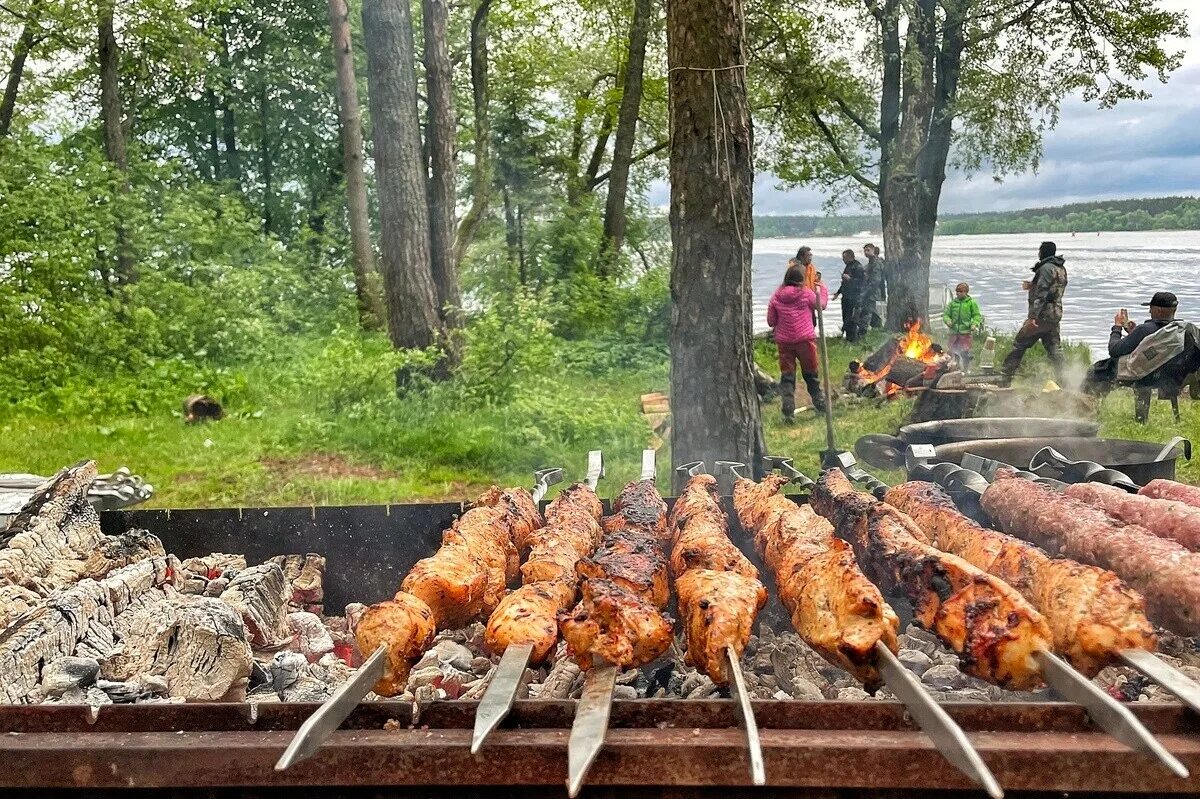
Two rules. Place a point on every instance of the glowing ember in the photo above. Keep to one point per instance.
(914, 345)
(917, 345)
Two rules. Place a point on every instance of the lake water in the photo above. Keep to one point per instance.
(1107, 272)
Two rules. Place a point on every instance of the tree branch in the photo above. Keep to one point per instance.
(1019, 19)
(851, 169)
(863, 124)
(642, 156)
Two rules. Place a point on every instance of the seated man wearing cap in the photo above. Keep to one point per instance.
(1126, 336)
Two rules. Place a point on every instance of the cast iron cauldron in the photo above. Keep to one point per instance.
(887, 452)
(1143, 461)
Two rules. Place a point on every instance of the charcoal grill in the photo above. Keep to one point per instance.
(656, 747)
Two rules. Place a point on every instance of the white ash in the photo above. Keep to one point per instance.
(310, 637)
(259, 594)
(305, 575)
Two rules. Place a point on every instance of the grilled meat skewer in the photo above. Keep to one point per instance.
(991, 627)
(619, 620)
(467, 576)
(1166, 518)
(1169, 489)
(1092, 614)
(718, 588)
(529, 615)
(834, 607)
(1164, 572)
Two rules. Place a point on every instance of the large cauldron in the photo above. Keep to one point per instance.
(1143, 461)
(887, 452)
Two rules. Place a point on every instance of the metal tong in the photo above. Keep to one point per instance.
(590, 727)
(947, 737)
(497, 701)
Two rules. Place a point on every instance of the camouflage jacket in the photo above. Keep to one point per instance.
(1046, 292)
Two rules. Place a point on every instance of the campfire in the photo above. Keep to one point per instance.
(908, 361)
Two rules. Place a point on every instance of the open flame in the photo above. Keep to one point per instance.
(917, 345)
(914, 344)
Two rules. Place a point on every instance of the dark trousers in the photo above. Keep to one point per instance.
(851, 319)
(805, 354)
(1049, 336)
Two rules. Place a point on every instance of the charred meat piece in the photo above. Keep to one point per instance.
(519, 510)
(619, 620)
(639, 507)
(1169, 489)
(1092, 613)
(405, 624)
(986, 622)
(1166, 518)
(529, 615)
(834, 607)
(1163, 571)
(718, 588)
(614, 625)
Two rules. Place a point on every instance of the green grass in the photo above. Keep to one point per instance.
(290, 440)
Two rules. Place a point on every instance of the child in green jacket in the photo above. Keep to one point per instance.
(963, 317)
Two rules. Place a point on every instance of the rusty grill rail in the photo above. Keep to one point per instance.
(830, 745)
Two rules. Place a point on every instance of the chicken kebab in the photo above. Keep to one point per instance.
(719, 597)
(619, 622)
(465, 579)
(1093, 615)
(524, 627)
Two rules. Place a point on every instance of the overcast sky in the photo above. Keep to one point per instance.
(1138, 149)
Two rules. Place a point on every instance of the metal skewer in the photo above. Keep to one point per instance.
(317, 728)
(497, 700)
(590, 726)
(947, 737)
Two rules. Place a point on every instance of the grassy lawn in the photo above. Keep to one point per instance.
(281, 445)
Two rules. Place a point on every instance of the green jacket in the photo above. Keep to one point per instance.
(963, 316)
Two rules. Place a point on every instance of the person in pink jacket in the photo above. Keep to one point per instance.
(790, 313)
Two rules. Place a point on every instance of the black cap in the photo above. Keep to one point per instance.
(1163, 299)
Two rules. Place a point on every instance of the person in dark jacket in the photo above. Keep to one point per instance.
(1125, 338)
(790, 313)
(852, 291)
(1046, 292)
(876, 282)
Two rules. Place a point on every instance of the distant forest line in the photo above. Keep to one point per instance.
(1155, 213)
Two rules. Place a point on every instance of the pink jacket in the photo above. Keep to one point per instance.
(791, 312)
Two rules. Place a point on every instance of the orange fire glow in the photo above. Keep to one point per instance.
(917, 345)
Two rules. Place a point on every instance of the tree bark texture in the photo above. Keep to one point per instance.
(111, 116)
(441, 145)
(16, 71)
(714, 404)
(627, 118)
(409, 290)
(366, 280)
(481, 171)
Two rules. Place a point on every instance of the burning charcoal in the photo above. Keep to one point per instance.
(354, 612)
(309, 636)
(192, 585)
(972, 695)
(481, 665)
(702, 689)
(308, 585)
(561, 679)
(155, 685)
(330, 669)
(115, 552)
(915, 661)
(258, 675)
(946, 659)
(15, 601)
(259, 594)
(122, 693)
(807, 691)
(286, 669)
(66, 673)
(447, 652)
(82, 696)
(944, 678)
(852, 694)
(781, 695)
(198, 644)
(625, 692)
(628, 677)
(218, 564)
(908, 641)
(306, 689)
(216, 587)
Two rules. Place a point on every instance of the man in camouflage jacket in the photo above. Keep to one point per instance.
(1045, 313)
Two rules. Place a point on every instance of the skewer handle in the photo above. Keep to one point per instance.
(590, 727)
(649, 465)
(542, 480)
(595, 468)
(741, 697)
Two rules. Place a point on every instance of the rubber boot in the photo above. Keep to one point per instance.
(813, 382)
(787, 395)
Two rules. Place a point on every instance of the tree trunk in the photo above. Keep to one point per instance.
(409, 290)
(20, 52)
(114, 131)
(714, 404)
(440, 142)
(233, 161)
(627, 117)
(481, 172)
(266, 166)
(908, 243)
(366, 279)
